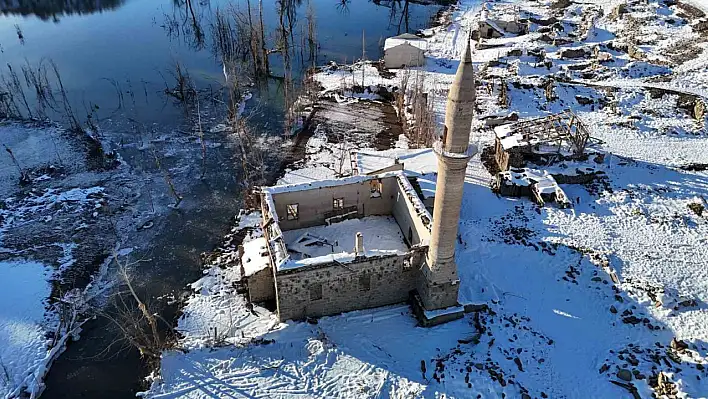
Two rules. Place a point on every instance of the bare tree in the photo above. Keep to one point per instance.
(138, 325)
(168, 179)
(24, 176)
(341, 154)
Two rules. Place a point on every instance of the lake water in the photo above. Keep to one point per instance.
(104, 46)
(118, 55)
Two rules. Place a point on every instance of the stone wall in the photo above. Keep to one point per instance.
(335, 288)
(434, 292)
(261, 286)
(506, 159)
(314, 203)
(410, 223)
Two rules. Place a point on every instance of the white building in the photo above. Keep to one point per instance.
(404, 50)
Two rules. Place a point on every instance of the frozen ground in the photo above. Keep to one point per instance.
(613, 289)
(69, 215)
(23, 329)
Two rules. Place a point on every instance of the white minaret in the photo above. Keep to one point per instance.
(439, 285)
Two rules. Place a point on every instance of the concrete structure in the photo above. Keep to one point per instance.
(367, 240)
(404, 51)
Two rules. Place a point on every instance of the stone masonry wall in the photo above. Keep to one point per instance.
(410, 223)
(313, 204)
(337, 288)
(261, 286)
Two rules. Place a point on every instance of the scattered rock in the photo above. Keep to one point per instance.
(518, 364)
(517, 52)
(146, 225)
(559, 4)
(696, 208)
(631, 320)
(573, 53)
(695, 167)
(582, 100)
(678, 345)
(618, 11)
(624, 375)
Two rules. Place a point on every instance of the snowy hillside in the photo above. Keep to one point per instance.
(606, 299)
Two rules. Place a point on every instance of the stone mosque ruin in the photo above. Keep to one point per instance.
(365, 241)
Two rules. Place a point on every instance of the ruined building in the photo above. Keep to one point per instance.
(534, 156)
(364, 241)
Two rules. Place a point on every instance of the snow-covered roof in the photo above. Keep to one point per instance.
(545, 183)
(508, 137)
(406, 38)
(255, 256)
(415, 161)
(325, 244)
(541, 133)
(494, 26)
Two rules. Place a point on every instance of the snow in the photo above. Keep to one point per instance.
(381, 233)
(558, 325)
(255, 256)
(23, 342)
(340, 257)
(428, 184)
(418, 161)
(373, 353)
(430, 314)
(216, 314)
(528, 176)
(405, 38)
(33, 151)
(309, 185)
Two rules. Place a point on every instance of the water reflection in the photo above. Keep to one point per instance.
(186, 21)
(228, 47)
(53, 9)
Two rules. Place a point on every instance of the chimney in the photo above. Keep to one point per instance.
(359, 244)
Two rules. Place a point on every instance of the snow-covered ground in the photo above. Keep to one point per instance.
(379, 233)
(61, 219)
(23, 331)
(613, 289)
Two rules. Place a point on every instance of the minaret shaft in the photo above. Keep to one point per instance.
(440, 283)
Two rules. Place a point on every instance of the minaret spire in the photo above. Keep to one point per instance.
(460, 106)
(439, 286)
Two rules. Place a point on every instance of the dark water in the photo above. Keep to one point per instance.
(105, 46)
(117, 54)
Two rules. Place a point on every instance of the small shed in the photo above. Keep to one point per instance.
(496, 28)
(404, 50)
(489, 30)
